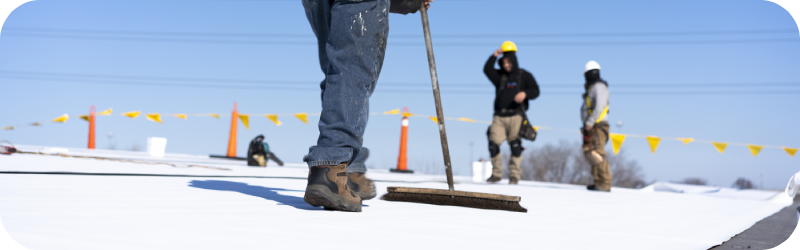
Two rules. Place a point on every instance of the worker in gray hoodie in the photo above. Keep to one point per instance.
(594, 114)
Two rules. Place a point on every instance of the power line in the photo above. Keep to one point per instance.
(628, 34)
(13, 74)
(309, 35)
(226, 84)
(391, 43)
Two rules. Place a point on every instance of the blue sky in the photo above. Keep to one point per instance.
(712, 70)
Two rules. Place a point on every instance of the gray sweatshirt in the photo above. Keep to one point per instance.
(595, 102)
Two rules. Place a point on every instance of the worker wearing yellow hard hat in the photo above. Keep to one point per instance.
(513, 88)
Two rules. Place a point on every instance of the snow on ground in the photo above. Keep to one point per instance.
(262, 208)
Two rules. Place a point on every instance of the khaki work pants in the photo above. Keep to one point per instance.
(595, 154)
(262, 161)
(505, 129)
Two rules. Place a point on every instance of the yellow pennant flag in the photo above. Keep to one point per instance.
(653, 141)
(790, 151)
(464, 119)
(392, 112)
(755, 149)
(182, 116)
(245, 120)
(104, 112)
(214, 115)
(35, 124)
(156, 117)
(132, 114)
(686, 140)
(274, 118)
(63, 118)
(302, 116)
(8, 128)
(84, 117)
(434, 119)
(616, 141)
(720, 146)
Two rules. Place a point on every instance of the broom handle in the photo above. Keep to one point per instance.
(435, 83)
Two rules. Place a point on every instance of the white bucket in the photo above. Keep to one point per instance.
(481, 171)
(156, 146)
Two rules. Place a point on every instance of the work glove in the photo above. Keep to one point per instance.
(587, 136)
(404, 6)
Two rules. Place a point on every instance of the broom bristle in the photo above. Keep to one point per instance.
(448, 200)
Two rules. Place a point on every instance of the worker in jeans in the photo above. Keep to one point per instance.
(594, 114)
(351, 38)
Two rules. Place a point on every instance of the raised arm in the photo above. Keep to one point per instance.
(489, 70)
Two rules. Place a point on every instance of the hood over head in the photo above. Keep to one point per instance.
(509, 55)
(592, 77)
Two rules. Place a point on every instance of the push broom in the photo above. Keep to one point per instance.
(449, 197)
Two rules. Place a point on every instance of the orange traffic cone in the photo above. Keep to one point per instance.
(91, 127)
(402, 160)
(232, 138)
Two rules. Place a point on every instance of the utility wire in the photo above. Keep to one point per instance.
(13, 74)
(392, 89)
(446, 44)
(309, 35)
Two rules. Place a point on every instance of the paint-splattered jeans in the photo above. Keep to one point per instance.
(351, 36)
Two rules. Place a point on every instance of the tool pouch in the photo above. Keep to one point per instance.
(527, 131)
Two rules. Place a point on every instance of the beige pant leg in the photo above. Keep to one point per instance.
(497, 134)
(603, 177)
(512, 127)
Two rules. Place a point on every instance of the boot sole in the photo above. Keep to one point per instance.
(366, 196)
(321, 196)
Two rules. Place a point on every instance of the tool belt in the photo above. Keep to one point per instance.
(509, 112)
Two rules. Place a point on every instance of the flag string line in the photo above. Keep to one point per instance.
(617, 139)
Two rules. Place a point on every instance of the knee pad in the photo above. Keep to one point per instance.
(494, 149)
(516, 147)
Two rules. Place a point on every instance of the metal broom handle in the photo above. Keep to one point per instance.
(437, 99)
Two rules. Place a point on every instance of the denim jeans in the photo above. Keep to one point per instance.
(351, 37)
(357, 165)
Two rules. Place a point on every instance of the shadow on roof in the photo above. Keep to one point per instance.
(257, 191)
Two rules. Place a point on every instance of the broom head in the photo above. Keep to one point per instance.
(455, 198)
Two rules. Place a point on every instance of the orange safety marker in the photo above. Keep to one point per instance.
(232, 138)
(91, 127)
(402, 160)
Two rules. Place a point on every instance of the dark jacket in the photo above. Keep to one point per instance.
(517, 80)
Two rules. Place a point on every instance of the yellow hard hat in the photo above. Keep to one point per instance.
(509, 46)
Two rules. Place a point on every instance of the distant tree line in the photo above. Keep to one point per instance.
(564, 163)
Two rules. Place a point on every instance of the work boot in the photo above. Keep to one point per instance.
(362, 186)
(513, 181)
(493, 179)
(327, 187)
(594, 188)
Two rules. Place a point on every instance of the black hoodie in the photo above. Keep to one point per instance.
(517, 80)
